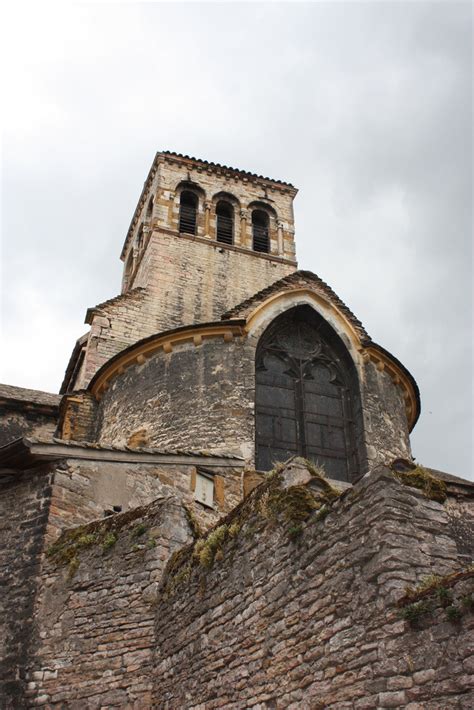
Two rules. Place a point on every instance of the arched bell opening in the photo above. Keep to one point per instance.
(307, 400)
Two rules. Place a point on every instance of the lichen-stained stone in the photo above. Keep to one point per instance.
(25, 412)
(173, 279)
(318, 622)
(96, 609)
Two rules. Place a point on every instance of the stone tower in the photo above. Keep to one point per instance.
(218, 363)
(203, 238)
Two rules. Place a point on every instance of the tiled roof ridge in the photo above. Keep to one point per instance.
(134, 293)
(293, 278)
(220, 166)
(23, 394)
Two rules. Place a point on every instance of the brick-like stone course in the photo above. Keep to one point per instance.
(96, 618)
(278, 621)
(173, 280)
(15, 424)
(24, 509)
(314, 624)
(82, 490)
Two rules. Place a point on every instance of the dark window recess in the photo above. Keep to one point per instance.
(149, 209)
(225, 223)
(304, 396)
(261, 241)
(188, 212)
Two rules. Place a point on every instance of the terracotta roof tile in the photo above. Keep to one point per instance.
(219, 166)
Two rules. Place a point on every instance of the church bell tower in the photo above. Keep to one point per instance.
(203, 238)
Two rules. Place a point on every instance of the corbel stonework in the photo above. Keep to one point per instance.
(140, 352)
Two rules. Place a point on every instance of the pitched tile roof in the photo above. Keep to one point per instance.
(22, 395)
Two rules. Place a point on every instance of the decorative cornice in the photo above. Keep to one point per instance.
(232, 172)
(169, 156)
(26, 453)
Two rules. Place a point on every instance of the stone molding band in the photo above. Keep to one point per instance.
(139, 353)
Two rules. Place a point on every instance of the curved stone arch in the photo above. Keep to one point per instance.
(226, 197)
(262, 205)
(188, 186)
(183, 185)
(231, 204)
(265, 237)
(307, 395)
(264, 313)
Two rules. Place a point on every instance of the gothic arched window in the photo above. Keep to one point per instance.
(188, 212)
(225, 222)
(306, 397)
(260, 231)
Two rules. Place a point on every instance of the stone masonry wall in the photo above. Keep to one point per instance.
(194, 397)
(204, 398)
(311, 620)
(174, 280)
(96, 611)
(242, 191)
(83, 490)
(189, 282)
(197, 281)
(24, 503)
(14, 424)
(385, 421)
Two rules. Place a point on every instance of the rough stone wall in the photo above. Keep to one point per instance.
(15, 423)
(243, 190)
(24, 503)
(314, 623)
(218, 379)
(313, 620)
(197, 281)
(115, 325)
(189, 283)
(181, 280)
(78, 417)
(385, 421)
(83, 490)
(96, 613)
(194, 397)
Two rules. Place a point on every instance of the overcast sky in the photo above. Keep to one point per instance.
(365, 107)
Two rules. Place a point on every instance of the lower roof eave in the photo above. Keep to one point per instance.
(27, 453)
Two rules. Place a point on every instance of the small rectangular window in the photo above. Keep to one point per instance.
(204, 491)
